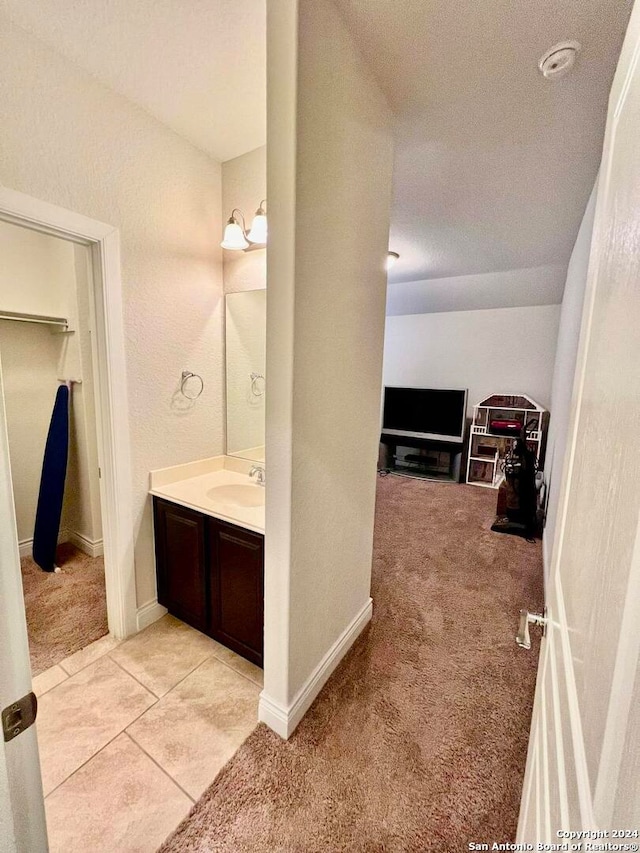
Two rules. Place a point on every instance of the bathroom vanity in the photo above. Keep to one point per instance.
(209, 540)
(209, 515)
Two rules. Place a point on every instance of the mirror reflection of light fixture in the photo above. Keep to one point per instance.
(392, 257)
(236, 236)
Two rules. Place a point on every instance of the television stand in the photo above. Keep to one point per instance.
(422, 458)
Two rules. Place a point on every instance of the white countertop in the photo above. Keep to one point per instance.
(191, 485)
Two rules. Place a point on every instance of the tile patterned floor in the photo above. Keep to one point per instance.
(121, 728)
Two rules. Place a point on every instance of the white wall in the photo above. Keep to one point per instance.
(244, 185)
(69, 140)
(329, 148)
(503, 289)
(564, 372)
(510, 350)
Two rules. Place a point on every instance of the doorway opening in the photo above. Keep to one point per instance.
(45, 352)
(61, 328)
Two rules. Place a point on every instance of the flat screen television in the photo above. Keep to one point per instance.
(425, 413)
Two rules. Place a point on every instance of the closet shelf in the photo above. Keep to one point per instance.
(59, 323)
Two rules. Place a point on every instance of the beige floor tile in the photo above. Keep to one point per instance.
(48, 679)
(74, 663)
(241, 665)
(82, 714)
(161, 655)
(119, 802)
(194, 730)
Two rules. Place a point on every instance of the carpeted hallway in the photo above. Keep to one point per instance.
(65, 611)
(418, 742)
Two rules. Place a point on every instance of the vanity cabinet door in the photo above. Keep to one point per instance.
(181, 562)
(236, 589)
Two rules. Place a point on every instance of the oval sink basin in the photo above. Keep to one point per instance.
(238, 495)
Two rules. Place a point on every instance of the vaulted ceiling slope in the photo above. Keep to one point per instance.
(494, 163)
(197, 66)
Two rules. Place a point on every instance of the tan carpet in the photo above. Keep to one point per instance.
(65, 611)
(418, 742)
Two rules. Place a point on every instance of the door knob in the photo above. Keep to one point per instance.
(523, 638)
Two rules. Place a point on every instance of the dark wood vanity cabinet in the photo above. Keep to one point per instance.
(236, 596)
(181, 562)
(211, 575)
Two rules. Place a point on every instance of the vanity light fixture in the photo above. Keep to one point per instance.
(234, 233)
(392, 257)
(258, 232)
(236, 237)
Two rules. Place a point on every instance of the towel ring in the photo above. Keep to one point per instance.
(256, 390)
(186, 375)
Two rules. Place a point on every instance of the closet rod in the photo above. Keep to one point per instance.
(34, 318)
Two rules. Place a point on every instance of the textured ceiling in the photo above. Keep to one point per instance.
(197, 66)
(494, 163)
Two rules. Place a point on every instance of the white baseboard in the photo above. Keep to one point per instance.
(25, 546)
(149, 613)
(274, 716)
(284, 720)
(92, 547)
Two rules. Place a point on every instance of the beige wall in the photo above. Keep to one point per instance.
(99, 155)
(34, 272)
(82, 494)
(30, 357)
(329, 149)
(244, 185)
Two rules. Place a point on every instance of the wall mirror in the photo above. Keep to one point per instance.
(245, 332)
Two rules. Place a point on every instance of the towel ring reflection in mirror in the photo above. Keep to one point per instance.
(256, 389)
(186, 376)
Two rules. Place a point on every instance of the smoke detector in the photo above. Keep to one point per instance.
(559, 59)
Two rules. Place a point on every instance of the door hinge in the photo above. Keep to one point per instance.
(19, 716)
(99, 473)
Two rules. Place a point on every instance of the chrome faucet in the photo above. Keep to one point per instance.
(258, 472)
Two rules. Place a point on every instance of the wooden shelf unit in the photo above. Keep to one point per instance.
(488, 449)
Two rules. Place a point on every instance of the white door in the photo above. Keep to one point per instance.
(22, 820)
(583, 766)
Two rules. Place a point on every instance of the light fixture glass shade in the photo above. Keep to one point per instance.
(392, 257)
(258, 232)
(234, 238)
